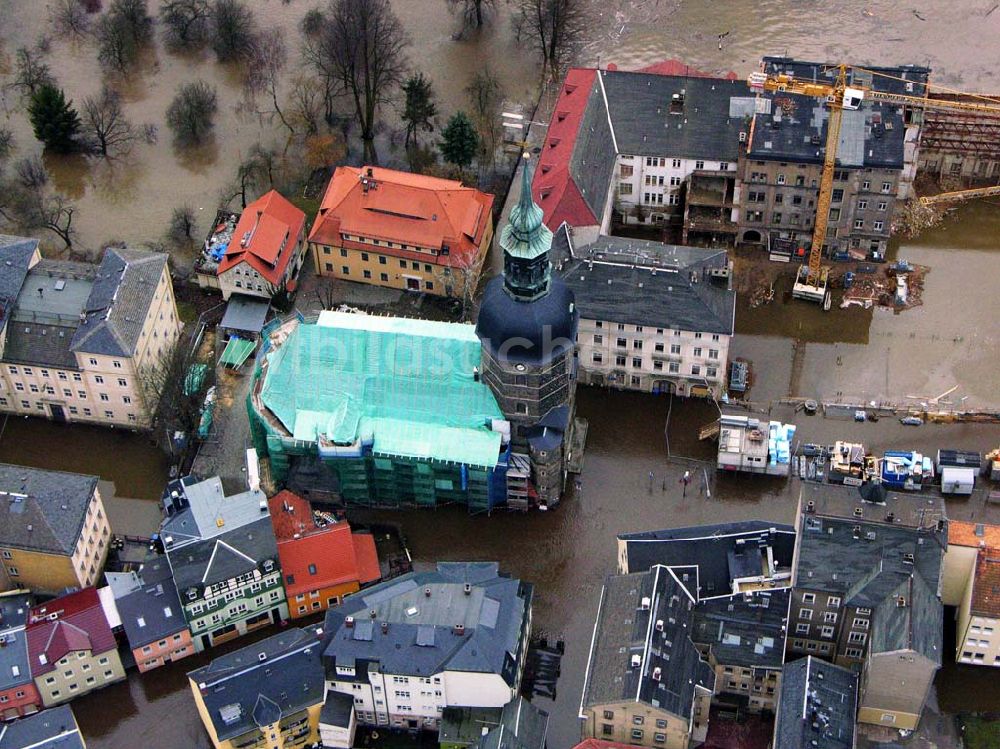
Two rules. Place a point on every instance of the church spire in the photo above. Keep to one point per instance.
(526, 242)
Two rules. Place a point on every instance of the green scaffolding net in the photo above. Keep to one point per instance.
(401, 387)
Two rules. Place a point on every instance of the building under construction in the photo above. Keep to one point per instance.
(961, 144)
(391, 411)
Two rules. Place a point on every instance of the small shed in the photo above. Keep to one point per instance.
(244, 318)
(956, 480)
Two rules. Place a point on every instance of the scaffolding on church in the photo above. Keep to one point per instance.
(394, 407)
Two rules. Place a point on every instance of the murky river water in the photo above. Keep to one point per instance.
(566, 553)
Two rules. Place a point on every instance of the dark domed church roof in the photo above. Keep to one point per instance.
(527, 332)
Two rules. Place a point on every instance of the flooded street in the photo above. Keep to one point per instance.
(951, 340)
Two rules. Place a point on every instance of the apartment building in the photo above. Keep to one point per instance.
(403, 231)
(71, 648)
(653, 317)
(49, 729)
(625, 145)
(224, 560)
(54, 532)
(266, 251)
(18, 695)
(781, 165)
(77, 338)
(151, 614)
(406, 649)
(818, 706)
(265, 696)
(322, 559)
(866, 594)
(970, 581)
(646, 682)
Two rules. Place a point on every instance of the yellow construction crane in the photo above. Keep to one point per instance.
(812, 279)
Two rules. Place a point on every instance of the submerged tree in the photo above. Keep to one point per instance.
(69, 18)
(186, 23)
(485, 94)
(123, 33)
(31, 72)
(473, 11)
(105, 125)
(28, 202)
(53, 119)
(419, 108)
(182, 225)
(265, 64)
(191, 115)
(234, 30)
(360, 53)
(460, 141)
(554, 27)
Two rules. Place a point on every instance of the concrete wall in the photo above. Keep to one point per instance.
(78, 673)
(636, 723)
(977, 637)
(243, 279)
(894, 687)
(338, 737)
(656, 184)
(957, 571)
(20, 700)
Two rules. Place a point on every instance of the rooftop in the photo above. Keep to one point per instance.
(745, 630)
(405, 387)
(262, 683)
(986, 586)
(317, 552)
(54, 728)
(466, 725)
(66, 624)
(43, 510)
(715, 554)
(818, 706)
(966, 533)
(633, 660)
(16, 254)
(522, 726)
(265, 237)
(419, 217)
(152, 611)
(14, 666)
(794, 126)
(460, 617)
(873, 504)
(638, 282)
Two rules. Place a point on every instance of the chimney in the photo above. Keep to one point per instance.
(459, 630)
(349, 622)
(427, 592)
(385, 628)
(372, 613)
(468, 589)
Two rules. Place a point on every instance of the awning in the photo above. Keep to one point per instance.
(237, 351)
(245, 314)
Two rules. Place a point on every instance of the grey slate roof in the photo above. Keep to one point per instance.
(43, 510)
(14, 668)
(54, 728)
(153, 611)
(217, 537)
(522, 726)
(592, 162)
(245, 313)
(644, 126)
(465, 725)
(747, 631)
(706, 548)
(820, 693)
(337, 709)
(119, 302)
(623, 630)
(614, 279)
(254, 691)
(421, 642)
(915, 625)
(871, 136)
(15, 256)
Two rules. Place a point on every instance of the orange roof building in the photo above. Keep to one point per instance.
(266, 250)
(402, 230)
(322, 560)
(971, 582)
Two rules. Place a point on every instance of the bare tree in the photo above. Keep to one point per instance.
(360, 53)
(234, 29)
(122, 34)
(255, 172)
(105, 125)
(182, 225)
(192, 112)
(186, 23)
(485, 95)
(554, 27)
(69, 18)
(6, 144)
(473, 11)
(31, 173)
(306, 97)
(31, 71)
(266, 61)
(30, 204)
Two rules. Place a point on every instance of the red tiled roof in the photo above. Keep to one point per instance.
(679, 67)
(337, 555)
(552, 186)
(269, 222)
(64, 625)
(963, 533)
(405, 208)
(986, 587)
(601, 744)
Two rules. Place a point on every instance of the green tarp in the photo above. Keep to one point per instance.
(237, 351)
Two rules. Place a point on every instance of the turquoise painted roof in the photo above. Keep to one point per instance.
(404, 385)
(525, 236)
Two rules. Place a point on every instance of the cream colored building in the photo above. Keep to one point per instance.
(80, 338)
(54, 530)
(970, 581)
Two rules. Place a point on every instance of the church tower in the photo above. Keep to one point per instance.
(527, 326)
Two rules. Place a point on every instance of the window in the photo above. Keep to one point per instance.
(637, 734)
(28, 370)
(116, 364)
(345, 270)
(862, 204)
(878, 226)
(866, 185)
(697, 335)
(833, 601)
(598, 357)
(12, 370)
(383, 277)
(830, 617)
(636, 362)
(673, 367)
(826, 631)
(621, 343)
(637, 345)
(674, 181)
(658, 347)
(859, 223)
(779, 199)
(699, 165)
(860, 623)
(619, 361)
(801, 629)
(675, 348)
(713, 353)
(638, 720)
(888, 718)
(858, 638)
(658, 366)
(598, 338)
(33, 388)
(697, 351)
(711, 372)
(607, 729)
(126, 399)
(329, 267)
(853, 652)
(660, 723)
(12, 571)
(98, 379)
(695, 369)
(806, 614)
(781, 179)
(886, 186)
(367, 273)
(776, 218)
(429, 285)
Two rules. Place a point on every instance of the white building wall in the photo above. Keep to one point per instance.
(656, 182)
